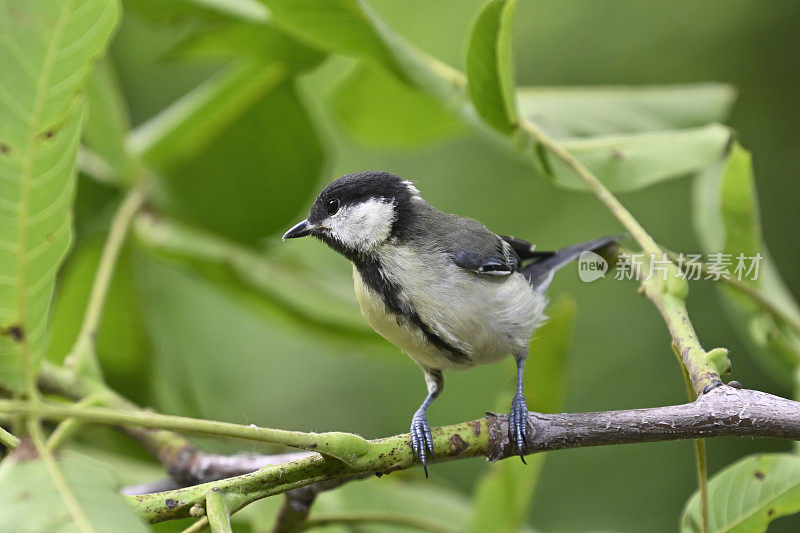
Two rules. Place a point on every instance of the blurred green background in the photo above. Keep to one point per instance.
(193, 337)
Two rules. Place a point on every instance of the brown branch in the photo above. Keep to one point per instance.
(723, 411)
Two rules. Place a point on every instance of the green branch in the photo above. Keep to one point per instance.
(83, 357)
(460, 441)
(8, 440)
(343, 446)
(701, 464)
(217, 512)
(538, 136)
(668, 290)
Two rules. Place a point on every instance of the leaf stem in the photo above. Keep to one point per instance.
(197, 526)
(219, 517)
(701, 465)
(702, 481)
(67, 428)
(8, 440)
(602, 192)
(83, 357)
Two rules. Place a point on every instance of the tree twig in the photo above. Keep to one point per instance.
(218, 512)
(186, 464)
(701, 466)
(83, 357)
(344, 446)
(8, 440)
(668, 291)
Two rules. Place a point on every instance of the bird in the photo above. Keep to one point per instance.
(443, 288)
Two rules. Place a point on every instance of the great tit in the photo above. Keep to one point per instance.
(443, 288)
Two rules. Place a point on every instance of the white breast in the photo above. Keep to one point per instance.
(485, 317)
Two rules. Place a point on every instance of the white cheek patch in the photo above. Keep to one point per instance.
(364, 225)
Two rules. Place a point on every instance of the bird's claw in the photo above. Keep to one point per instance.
(518, 424)
(421, 439)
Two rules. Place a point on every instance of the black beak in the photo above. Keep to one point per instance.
(301, 229)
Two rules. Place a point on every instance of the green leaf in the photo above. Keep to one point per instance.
(503, 494)
(32, 502)
(249, 194)
(739, 206)
(262, 58)
(445, 509)
(107, 122)
(632, 162)
(565, 112)
(196, 143)
(490, 77)
(158, 10)
(187, 127)
(747, 495)
(342, 26)
(726, 219)
(233, 40)
(313, 293)
(251, 10)
(45, 56)
(223, 354)
(377, 109)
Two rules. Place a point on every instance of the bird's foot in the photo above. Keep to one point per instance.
(421, 439)
(518, 424)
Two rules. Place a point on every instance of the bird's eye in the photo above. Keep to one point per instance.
(332, 206)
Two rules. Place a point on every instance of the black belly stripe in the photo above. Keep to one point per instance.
(371, 272)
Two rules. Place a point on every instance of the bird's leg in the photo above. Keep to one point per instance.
(518, 417)
(421, 439)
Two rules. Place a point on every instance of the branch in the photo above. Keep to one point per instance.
(83, 357)
(723, 411)
(668, 292)
(346, 447)
(186, 464)
(8, 440)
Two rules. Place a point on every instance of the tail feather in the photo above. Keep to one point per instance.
(540, 272)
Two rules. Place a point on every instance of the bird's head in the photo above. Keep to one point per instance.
(359, 211)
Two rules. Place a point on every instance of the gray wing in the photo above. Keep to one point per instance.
(475, 248)
(524, 249)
